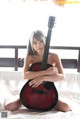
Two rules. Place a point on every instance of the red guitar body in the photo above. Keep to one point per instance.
(45, 96)
(42, 98)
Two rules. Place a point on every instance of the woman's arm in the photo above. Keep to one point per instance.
(60, 73)
(58, 76)
(32, 74)
(53, 78)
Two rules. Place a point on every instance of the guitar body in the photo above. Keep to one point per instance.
(42, 98)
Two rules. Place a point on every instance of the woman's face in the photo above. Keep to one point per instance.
(38, 45)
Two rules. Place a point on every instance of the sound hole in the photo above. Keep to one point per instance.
(39, 91)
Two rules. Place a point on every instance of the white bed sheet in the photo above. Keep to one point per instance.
(69, 91)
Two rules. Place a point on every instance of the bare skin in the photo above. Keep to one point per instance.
(52, 74)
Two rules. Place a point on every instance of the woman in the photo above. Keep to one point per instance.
(52, 74)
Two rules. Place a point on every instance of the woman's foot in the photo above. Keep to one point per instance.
(13, 105)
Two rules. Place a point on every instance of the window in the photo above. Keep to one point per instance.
(18, 18)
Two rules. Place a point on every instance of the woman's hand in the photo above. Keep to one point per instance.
(52, 70)
(36, 82)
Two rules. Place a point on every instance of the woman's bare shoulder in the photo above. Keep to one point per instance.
(28, 61)
(54, 55)
(30, 58)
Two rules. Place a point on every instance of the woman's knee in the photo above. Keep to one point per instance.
(13, 105)
(67, 108)
(61, 106)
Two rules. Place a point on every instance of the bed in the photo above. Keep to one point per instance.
(69, 91)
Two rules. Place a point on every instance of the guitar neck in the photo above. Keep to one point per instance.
(46, 50)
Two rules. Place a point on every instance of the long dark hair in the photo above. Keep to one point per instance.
(35, 35)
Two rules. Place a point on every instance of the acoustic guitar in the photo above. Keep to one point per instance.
(45, 96)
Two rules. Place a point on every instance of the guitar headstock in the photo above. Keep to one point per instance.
(51, 22)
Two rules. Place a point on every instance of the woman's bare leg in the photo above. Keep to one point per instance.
(61, 106)
(13, 105)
